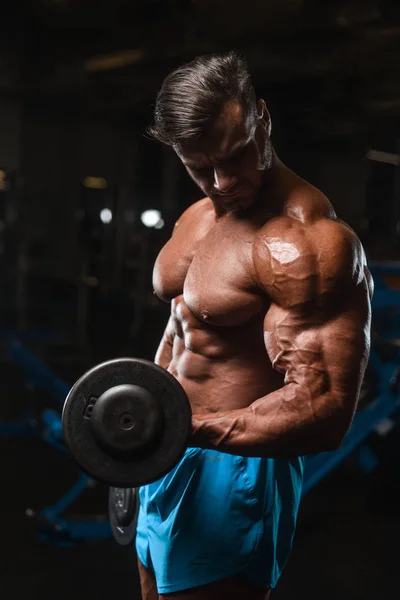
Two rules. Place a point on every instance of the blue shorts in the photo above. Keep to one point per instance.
(216, 515)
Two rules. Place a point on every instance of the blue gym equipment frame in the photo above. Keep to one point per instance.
(52, 526)
(385, 405)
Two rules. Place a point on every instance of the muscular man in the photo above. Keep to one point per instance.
(268, 334)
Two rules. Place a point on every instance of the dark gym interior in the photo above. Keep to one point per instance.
(87, 200)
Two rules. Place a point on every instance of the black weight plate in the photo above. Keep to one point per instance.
(123, 507)
(135, 468)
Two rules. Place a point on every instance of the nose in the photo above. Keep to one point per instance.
(224, 182)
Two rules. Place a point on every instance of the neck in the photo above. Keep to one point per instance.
(271, 182)
(271, 173)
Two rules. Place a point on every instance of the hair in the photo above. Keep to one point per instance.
(191, 97)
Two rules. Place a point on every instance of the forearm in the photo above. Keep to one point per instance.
(285, 423)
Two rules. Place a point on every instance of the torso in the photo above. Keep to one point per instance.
(206, 271)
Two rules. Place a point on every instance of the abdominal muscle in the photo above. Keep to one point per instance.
(222, 368)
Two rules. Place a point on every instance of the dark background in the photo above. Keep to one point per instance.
(78, 80)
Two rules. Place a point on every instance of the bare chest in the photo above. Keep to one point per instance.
(213, 273)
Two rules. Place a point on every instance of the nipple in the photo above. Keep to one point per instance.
(205, 315)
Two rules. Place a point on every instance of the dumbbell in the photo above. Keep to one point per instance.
(127, 423)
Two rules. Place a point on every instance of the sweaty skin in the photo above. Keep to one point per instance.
(270, 318)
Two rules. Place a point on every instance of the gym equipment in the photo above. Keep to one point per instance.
(127, 422)
(123, 508)
(381, 413)
(52, 527)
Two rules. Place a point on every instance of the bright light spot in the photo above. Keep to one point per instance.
(151, 217)
(283, 252)
(106, 216)
(96, 183)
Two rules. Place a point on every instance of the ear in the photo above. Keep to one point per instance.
(264, 114)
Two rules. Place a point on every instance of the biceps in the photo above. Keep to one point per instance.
(298, 352)
(324, 356)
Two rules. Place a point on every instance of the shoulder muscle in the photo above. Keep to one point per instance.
(299, 263)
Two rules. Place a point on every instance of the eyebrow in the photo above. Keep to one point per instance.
(236, 149)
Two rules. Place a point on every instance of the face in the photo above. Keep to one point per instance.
(229, 161)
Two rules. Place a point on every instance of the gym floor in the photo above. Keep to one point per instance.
(345, 547)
